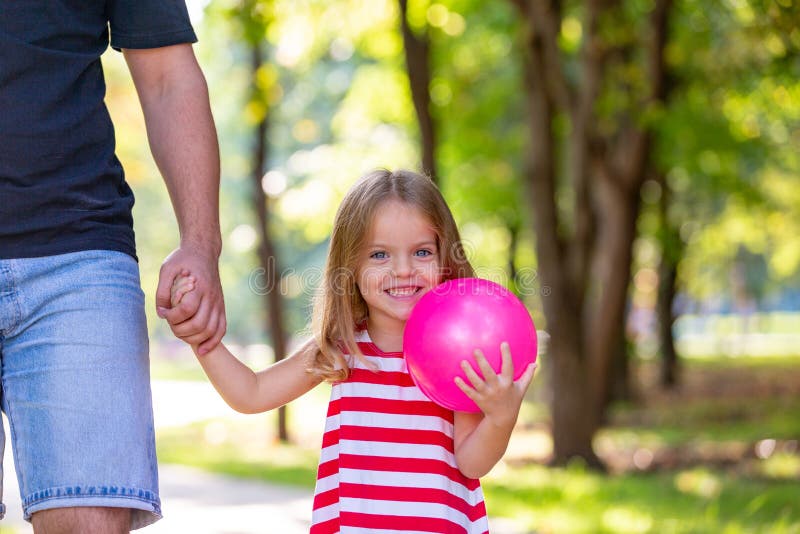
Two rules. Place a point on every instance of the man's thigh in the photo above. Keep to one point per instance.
(76, 389)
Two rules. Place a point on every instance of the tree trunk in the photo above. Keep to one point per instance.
(266, 250)
(417, 53)
(613, 259)
(620, 386)
(585, 266)
(669, 369)
(513, 246)
(671, 251)
(573, 426)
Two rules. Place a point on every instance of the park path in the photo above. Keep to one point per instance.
(199, 502)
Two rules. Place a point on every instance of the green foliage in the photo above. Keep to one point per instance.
(338, 101)
(726, 148)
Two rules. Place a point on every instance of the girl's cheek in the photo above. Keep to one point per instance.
(436, 274)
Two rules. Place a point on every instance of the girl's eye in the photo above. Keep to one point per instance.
(379, 255)
(423, 253)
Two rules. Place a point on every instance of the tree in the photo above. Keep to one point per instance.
(722, 145)
(417, 53)
(671, 252)
(589, 101)
(255, 17)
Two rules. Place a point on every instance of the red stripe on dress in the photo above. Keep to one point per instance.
(326, 498)
(384, 378)
(334, 408)
(331, 437)
(370, 349)
(396, 522)
(330, 526)
(414, 495)
(406, 465)
(396, 435)
(328, 468)
(393, 406)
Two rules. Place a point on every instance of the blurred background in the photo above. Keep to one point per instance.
(628, 168)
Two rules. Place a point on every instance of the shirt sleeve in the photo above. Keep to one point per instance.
(149, 23)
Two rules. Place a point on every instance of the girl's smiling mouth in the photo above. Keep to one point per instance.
(403, 292)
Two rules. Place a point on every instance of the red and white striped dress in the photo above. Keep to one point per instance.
(387, 462)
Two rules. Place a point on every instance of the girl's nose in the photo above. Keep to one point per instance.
(402, 267)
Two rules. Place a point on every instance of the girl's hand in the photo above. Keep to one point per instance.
(498, 396)
(182, 284)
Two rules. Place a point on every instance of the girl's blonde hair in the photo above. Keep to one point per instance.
(339, 308)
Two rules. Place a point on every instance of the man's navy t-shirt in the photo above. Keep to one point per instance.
(62, 189)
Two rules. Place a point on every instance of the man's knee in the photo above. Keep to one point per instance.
(82, 519)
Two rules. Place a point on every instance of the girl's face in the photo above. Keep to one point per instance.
(399, 263)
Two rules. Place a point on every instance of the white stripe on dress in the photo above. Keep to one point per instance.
(379, 391)
(397, 365)
(320, 515)
(327, 483)
(396, 450)
(394, 421)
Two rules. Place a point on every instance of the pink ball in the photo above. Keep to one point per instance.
(450, 322)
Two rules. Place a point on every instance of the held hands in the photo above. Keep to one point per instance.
(182, 284)
(199, 318)
(498, 396)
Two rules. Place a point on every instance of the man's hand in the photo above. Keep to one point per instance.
(199, 317)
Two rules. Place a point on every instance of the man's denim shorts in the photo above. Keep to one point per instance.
(76, 383)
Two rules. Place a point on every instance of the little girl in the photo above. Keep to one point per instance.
(391, 459)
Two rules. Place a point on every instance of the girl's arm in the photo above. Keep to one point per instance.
(481, 438)
(249, 392)
(243, 389)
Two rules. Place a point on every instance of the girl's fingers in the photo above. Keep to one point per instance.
(180, 291)
(525, 378)
(176, 298)
(181, 279)
(472, 376)
(468, 391)
(507, 365)
(489, 376)
(182, 284)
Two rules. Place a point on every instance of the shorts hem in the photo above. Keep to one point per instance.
(145, 505)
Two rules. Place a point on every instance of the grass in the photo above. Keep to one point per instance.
(713, 421)
(688, 501)
(706, 469)
(253, 453)
(544, 500)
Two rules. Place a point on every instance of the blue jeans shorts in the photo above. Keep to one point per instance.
(76, 383)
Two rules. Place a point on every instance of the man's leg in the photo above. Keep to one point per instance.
(76, 390)
(96, 520)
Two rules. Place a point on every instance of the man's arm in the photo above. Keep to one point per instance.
(174, 98)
